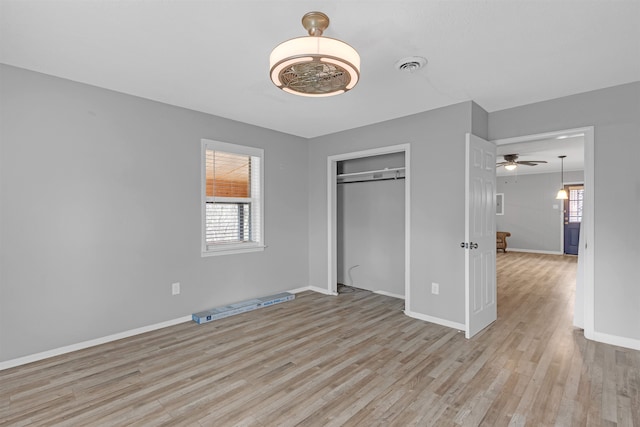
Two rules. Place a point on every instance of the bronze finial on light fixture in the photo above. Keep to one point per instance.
(314, 65)
(562, 193)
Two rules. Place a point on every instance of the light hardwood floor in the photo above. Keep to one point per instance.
(354, 359)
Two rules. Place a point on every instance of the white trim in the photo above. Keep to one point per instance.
(589, 233)
(631, 343)
(332, 218)
(539, 136)
(228, 147)
(235, 249)
(91, 343)
(126, 334)
(323, 290)
(407, 225)
(298, 290)
(589, 243)
(534, 251)
(389, 294)
(443, 322)
(332, 167)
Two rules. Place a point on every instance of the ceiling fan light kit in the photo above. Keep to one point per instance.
(313, 65)
(511, 162)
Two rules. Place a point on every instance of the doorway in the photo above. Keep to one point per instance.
(584, 295)
(332, 197)
(370, 229)
(572, 218)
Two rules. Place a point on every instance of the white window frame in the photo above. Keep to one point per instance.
(257, 200)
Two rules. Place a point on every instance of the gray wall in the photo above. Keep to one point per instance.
(100, 207)
(100, 213)
(529, 212)
(370, 227)
(437, 201)
(615, 115)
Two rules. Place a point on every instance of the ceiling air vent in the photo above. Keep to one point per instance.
(411, 63)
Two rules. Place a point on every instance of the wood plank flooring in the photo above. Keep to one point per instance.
(350, 360)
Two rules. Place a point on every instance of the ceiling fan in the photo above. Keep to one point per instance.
(511, 162)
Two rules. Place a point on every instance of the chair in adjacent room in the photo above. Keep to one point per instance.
(501, 240)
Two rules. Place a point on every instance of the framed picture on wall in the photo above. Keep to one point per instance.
(499, 203)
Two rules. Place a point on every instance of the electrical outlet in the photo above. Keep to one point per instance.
(435, 288)
(175, 288)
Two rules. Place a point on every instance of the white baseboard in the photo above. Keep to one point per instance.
(598, 336)
(322, 290)
(534, 251)
(326, 292)
(86, 344)
(631, 343)
(126, 334)
(436, 320)
(313, 289)
(298, 290)
(389, 294)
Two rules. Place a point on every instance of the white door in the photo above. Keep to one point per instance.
(480, 235)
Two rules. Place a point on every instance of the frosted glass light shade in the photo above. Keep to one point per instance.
(562, 195)
(314, 66)
(510, 167)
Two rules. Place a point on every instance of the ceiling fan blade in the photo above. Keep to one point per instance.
(501, 164)
(531, 162)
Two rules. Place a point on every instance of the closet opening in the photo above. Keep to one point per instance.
(370, 228)
(369, 222)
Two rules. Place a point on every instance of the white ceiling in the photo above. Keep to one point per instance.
(212, 56)
(548, 150)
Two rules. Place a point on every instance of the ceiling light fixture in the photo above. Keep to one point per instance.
(511, 166)
(562, 193)
(314, 65)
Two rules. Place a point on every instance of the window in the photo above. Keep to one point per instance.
(576, 195)
(232, 213)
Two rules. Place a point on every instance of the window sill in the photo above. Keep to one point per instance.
(231, 250)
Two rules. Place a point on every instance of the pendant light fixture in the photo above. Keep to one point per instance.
(562, 194)
(314, 65)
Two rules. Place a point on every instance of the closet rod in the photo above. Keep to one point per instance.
(372, 180)
(345, 175)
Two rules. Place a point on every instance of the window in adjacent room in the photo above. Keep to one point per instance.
(232, 198)
(576, 199)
